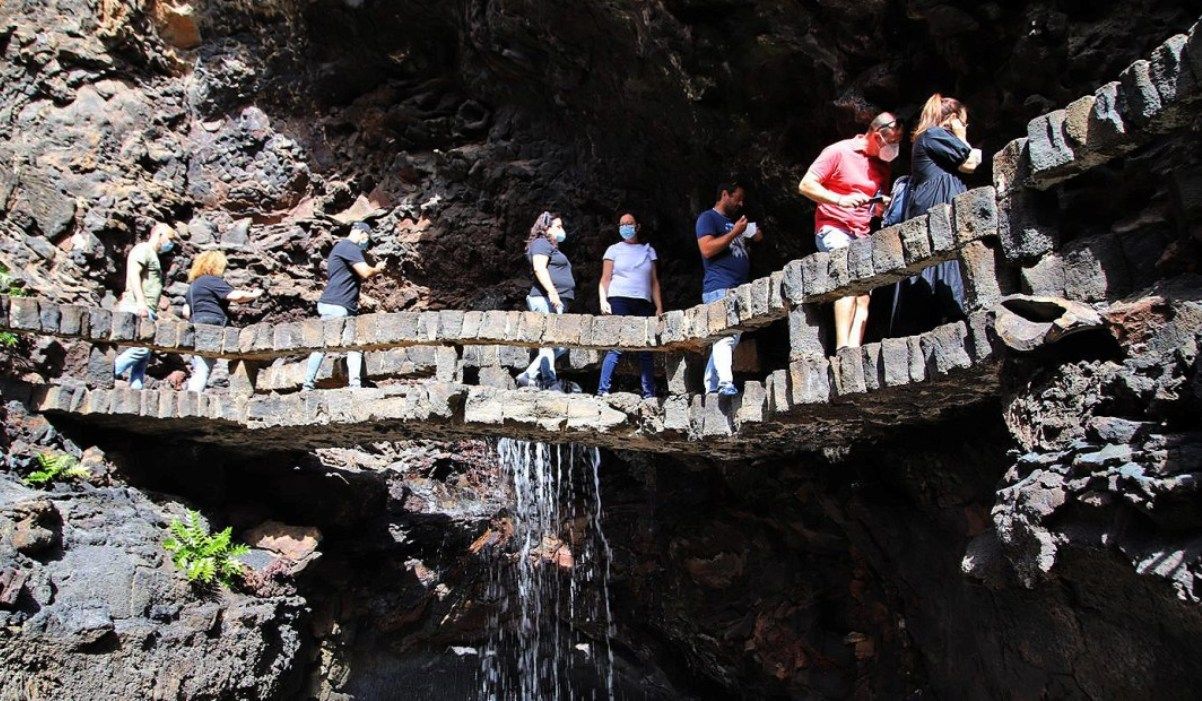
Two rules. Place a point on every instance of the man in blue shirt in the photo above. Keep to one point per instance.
(726, 258)
(346, 269)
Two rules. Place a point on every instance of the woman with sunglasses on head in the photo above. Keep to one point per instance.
(552, 291)
(940, 154)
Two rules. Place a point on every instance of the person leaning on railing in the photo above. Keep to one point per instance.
(207, 302)
(629, 287)
(552, 291)
(940, 154)
(847, 181)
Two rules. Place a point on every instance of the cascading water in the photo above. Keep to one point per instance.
(550, 637)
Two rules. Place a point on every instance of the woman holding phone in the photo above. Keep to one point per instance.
(941, 154)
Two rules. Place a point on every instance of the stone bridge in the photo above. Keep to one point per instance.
(815, 400)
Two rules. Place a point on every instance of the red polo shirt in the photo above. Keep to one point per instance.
(844, 168)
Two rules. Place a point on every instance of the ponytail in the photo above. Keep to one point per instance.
(935, 112)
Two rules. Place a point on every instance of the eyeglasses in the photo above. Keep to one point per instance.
(896, 123)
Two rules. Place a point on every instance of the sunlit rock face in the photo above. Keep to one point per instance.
(454, 124)
(1043, 544)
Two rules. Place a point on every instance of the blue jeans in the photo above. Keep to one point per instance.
(629, 306)
(134, 360)
(354, 359)
(543, 365)
(202, 367)
(830, 238)
(719, 367)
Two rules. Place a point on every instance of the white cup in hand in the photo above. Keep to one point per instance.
(749, 232)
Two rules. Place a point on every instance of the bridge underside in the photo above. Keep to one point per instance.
(754, 424)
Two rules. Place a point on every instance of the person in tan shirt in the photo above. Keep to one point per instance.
(143, 296)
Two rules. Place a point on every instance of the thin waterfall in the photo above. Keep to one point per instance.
(549, 581)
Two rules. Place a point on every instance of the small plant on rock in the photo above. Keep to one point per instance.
(52, 468)
(204, 558)
(8, 286)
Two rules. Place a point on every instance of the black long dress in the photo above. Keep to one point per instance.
(936, 295)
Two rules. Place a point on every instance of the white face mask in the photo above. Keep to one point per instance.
(889, 152)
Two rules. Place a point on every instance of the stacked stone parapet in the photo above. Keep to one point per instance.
(851, 394)
(884, 257)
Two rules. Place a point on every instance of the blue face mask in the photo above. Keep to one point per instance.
(364, 244)
(167, 246)
(560, 235)
(627, 231)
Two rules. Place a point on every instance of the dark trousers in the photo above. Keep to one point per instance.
(931, 298)
(629, 306)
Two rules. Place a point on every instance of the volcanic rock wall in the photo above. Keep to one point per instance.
(1056, 554)
(455, 123)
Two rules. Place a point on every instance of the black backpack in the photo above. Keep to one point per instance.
(899, 202)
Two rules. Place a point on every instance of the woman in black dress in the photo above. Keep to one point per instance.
(940, 154)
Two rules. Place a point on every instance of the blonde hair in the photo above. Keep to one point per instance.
(208, 263)
(164, 230)
(936, 111)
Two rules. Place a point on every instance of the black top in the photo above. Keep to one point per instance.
(558, 267)
(934, 178)
(936, 295)
(343, 286)
(208, 300)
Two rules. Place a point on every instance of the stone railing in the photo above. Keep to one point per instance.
(886, 256)
(840, 398)
(1151, 97)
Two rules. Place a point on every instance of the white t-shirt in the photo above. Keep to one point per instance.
(632, 270)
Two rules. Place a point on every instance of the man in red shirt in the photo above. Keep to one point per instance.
(844, 180)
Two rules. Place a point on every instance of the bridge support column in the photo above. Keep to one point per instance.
(684, 371)
(496, 376)
(100, 366)
(447, 366)
(987, 278)
(243, 376)
(807, 332)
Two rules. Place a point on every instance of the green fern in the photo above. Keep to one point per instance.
(52, 468)
(204, 558)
